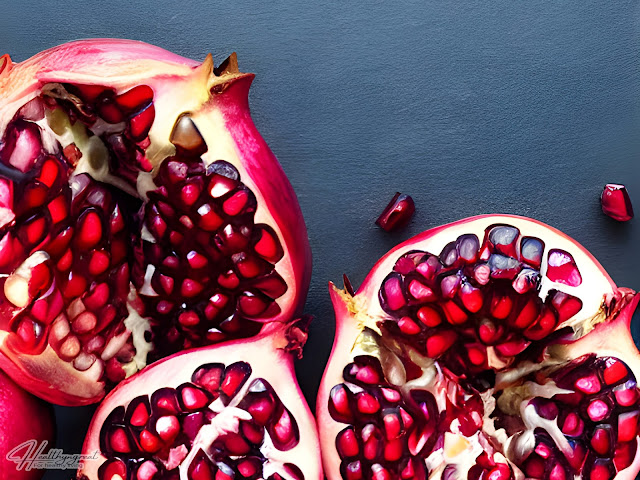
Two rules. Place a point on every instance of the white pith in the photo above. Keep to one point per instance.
(363, 310)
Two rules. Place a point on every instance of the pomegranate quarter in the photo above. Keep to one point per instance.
(141, 213)
(224, 412)
(491, 348)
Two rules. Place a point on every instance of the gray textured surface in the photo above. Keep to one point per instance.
(470, 107)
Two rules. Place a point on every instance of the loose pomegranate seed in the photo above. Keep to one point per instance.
(616, 202)
(397, 213)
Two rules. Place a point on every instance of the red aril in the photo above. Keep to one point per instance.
(616, 203)
(141, 213)
(494, 347)
(232, 410)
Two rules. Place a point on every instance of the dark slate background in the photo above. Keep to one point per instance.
(471, 107)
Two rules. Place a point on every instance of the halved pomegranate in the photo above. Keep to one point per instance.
(228, 411)
(26, 427)
(141, 213)
(491, 348)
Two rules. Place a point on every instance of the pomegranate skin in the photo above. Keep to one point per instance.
(602, 327)
(271, 357)
(217, 101)
(23, 417)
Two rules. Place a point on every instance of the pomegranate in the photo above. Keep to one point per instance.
(397, 213)
(616, 203)
(491, 348)
(141, 213)
(232, 410)
(23, 418)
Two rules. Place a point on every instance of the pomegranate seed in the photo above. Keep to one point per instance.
(149, 442)
(119, 440)
(482, 274)
(566, 305)
(504, 239)
(347, 443)
(190, 288)
(284, 432)
(557, 473)
(589, 384)
(573, 425)
(49, 172)
(393, 450)
(247, 266)
(471, 297)
(499, 472)
(602, 470)
(440, 342)
(235, 377)
(147, 471)
(393, 293)
(391, 395)
(501, 307)
(543, 326)
(615, 372)
(89, 230)
(601, 439)
(628, 426)
(527, 315)
(353, 471)
(193, 398)
(113, 469)
(369, 375)
(408, 326)
(140, 413)
(421, 292)
(209, 377)
(235, 204)
(397, 213)
(367, 403)
(140, 125)
(163, 401)
(616, 202)
(33, 231)
(534, 467)
(168, 428)
(261, 410)
(503, 267)
(371, 441)
(135, 99)
(429, 267)
(392, 425)
(455, 315)
(562, 268)
(488, 333)
(197, 260)
(70, 348)
(84, 323)
(339, 404)
(598, 410)
(271, 285)
(220, 186)
(268, 246)
(450, 285)
(626, 395)
(188, 319)
(477, 355)
(625, 454)
(429, 316)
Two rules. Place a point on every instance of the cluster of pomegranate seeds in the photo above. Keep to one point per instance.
(215, 427)
(387, 437)
(590, 431)
(208, 270)
(64, 257)
(616, 202)
(397, 213)
(481, 298)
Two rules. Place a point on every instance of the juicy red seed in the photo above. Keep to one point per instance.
(421, 292)
(543, 326)
(626, 395)
(368, 374)
(339, 405)
(392, 425)
(589, 384)
(201, 468)
(140, 415)
(197, 260)
(168, 427)
(598, 410)
(501, 307)
(353, 471)
(615, 371)
(602, 470)
(49, 172)
(477, 355)
(499, 472)
(471, 297)
(209, 220)
(367, 403)
(429, 316)
(236, 203)
(163, 401)
(534, 467)
(624, 454)
(284, 432)
(268, 245)
(209, 377)
(89, 230)
(557, 473)
(562, 268)
(99, 262)
(220, 186)
(141, 124)
(167, 283)
(573, 425)
(628, 426)
(601, 440)
(119, 440)
(248, 266)
(488, 332)
(190, 193)
(455, 315)
(347, 443)
(391, 395)
(450, 285)
(393, 294)
(188, 319)
(393, 450)
(566, 305)
(191, 288)
(193, 398)
(249, 467)
(34, 230)
(149, 442)
(439, 343)
(111, 469)
(262, 409)
(235, 377)
(408, 326)
(616, 202)
(397, 213)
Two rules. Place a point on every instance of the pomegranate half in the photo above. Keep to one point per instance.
(26, 427)
(491, 348)
(232, 410)
(141, 213)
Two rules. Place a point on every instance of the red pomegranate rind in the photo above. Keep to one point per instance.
(397, 213)
(616, 202)
(90, 132)
(24, 418)
(498, 329)
(233, 410)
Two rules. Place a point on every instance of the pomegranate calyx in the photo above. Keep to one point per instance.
(613, 304)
